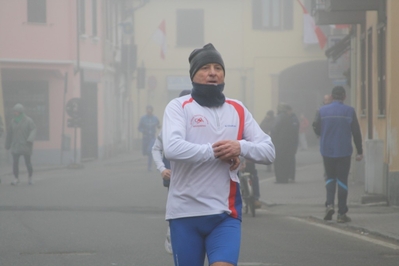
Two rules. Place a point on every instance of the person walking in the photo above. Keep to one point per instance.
(203, 136)
(285, 138)
(266, 125)
(336, 124)
(148, 126)
(163, 166)
(20, 137)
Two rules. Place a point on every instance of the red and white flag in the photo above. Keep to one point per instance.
(159, 37)
(312, 34)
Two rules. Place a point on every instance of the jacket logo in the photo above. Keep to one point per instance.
(199, 121)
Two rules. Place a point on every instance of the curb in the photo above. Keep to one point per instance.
(355, 228)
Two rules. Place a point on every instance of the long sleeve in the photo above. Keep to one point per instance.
(174, 135)
(32, 133)
(157, 154)
(357, 134)
(317, 124)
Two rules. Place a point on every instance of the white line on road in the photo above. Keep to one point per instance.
(361, 237)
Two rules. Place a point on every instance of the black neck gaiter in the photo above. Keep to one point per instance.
(208, 95)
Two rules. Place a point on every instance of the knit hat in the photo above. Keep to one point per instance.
(202, 56)
(18, 108)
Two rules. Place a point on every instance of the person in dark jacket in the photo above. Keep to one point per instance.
(336, 124)
(266, 125)
(294, 137)
(148, 126)
(284, 135)
(20, 137)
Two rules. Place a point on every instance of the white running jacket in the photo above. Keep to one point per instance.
(200, 183)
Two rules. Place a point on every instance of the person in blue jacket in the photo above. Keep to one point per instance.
(336, 124)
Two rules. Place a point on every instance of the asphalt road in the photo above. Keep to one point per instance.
(112, 214)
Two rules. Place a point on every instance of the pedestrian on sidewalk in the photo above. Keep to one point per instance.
(266, 125)
(20, 137)
(204, 134)
(285, 138)
(148, 126)
(163, 166)
(336, 124)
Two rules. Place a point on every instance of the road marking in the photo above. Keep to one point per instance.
(258, 264)
(337, 230)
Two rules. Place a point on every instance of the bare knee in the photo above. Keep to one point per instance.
(221, 264)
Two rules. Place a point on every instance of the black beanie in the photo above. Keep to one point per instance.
(202, 56)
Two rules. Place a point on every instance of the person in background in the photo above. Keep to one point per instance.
(163, 166)
(203, 136)
(266, 125)
(148, 126)
(285, 138)
(336, 124)
(327, 99)
(303, 128)
(19, 140)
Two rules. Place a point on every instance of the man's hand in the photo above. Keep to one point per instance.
(166, 174)
(227, 150)
(234, 163)
(359, 157)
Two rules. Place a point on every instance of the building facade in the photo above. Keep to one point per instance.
(53, 51)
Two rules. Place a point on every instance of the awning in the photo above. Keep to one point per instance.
(352, 5)
(339, 48)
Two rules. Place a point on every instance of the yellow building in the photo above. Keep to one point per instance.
(375, 82)
(261, 43)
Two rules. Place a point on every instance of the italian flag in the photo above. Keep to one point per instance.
(159, 37)
(312, 34)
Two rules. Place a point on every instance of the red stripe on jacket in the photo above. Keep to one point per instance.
(233, 185)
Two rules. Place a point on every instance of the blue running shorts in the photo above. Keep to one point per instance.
(218, 236)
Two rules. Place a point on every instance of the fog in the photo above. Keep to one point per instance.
(94, 78)
(117, 57)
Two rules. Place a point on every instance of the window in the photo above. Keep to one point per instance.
(94, 17)
(33, 95)
(272, 14)
(190, 27)
(37, 11)
(382, 70)
(82, 16)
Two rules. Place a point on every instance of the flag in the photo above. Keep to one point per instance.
(159, 37)
(312, 33)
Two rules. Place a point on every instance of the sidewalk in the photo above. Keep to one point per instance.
(305, 199)
(6, 164)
